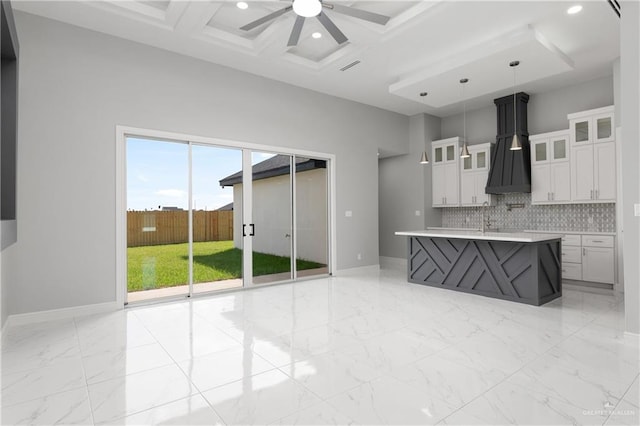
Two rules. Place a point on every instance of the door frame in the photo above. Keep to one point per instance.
(122, 132)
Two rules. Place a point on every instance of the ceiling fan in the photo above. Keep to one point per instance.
(313, 8)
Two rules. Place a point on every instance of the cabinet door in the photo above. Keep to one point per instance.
(581, 131)
(559, 149)
(603, 130)
(480, 184)
(451, 182)
(437, 185)
(481, 161)
(560, 176)
(605, 171)
(540, 183)
(598, 265)
(582, 173)
(467, 188)
(539, 151)
(438, 155)
(451, 153)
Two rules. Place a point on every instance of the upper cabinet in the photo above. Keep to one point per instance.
(593, 156)
(445, 170)
(593, 126)
(550, 168)
(474, 172)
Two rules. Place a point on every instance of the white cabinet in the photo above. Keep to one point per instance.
(474, 172)
(550, 168)
(588, 257)
(593, 156)
(445, 173)
(598, 259)
(592, 126)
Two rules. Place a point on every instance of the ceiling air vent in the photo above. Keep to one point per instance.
(351, 65)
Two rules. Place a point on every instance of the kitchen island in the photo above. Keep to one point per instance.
(521, 267)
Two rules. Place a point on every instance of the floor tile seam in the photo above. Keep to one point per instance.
(124, 349)
(623, 399)
(120, 376)
(47, 365)
(204, 390)
(84, 372)
(323, 401)
(4, 350)
(141, 411)
(45, 396)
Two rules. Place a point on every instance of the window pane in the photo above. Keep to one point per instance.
(559, 149)
(438, 155)
(451, 152)
(481, 160)
(604, 127)
(541, 151)
(467, 163)
(582, 131)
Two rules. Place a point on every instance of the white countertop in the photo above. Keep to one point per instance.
(573, 232)
(521, 237)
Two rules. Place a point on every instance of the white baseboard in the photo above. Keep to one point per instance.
(357, 271)
(396, 263)
(56, 314)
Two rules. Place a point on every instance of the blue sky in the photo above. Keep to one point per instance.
(157, 174)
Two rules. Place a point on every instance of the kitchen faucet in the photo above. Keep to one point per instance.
(486, 224)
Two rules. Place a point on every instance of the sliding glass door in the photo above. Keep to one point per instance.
(204, 218)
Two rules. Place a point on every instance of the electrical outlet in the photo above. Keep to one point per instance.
(636, 209)
(348, 213)
(590, 220)
(359, 256)
(417, 212)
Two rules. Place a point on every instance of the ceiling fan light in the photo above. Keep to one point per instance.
(242, 5)
(307, 8)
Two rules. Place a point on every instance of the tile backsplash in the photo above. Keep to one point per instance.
(564, 217)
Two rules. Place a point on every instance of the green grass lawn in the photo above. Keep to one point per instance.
(168, 265)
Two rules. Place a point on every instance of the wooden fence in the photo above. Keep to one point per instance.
(171, 227)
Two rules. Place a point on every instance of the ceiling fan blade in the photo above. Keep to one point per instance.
(331, 27)
(267, 18)
(376, 18)
(295, 32)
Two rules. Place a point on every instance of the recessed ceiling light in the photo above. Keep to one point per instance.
(423, 94)
(242, 5)
(574, 9)
(316, 35)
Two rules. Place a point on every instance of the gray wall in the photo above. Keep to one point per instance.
(630, 97)
(547, 111)
(77, 85)
(405, 187)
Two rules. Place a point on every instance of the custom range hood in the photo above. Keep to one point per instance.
(510, 171)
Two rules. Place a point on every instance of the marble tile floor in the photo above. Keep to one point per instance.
(366, 349)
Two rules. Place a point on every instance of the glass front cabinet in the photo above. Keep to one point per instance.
(550, 168)
(474, 173)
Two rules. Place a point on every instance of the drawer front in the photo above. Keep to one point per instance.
(571, 254)
(597, 241)
(571, 240)
(572, 271)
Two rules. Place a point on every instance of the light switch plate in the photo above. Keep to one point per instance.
(417, 212)
(348, 213)
(636, 209)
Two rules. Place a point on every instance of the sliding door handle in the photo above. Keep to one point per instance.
(244, 234)
(253, 230)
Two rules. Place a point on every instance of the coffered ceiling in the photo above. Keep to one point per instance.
(427, 46)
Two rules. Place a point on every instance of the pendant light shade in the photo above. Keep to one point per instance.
(465, 151)
(424, 159)
(515, 142)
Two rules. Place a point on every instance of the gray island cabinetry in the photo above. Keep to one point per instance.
(521, 267)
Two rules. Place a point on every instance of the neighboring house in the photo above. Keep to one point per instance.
(226, 208)
(272, 189)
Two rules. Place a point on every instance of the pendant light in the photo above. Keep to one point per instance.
(515, 142)
(465, 149)
(424, 159)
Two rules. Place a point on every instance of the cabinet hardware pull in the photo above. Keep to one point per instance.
(592, 194)
(597, 198)
(564, 270)
(597, 241)
(553, 196)
(584, 251)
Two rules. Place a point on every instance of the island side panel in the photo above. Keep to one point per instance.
(522, 272)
